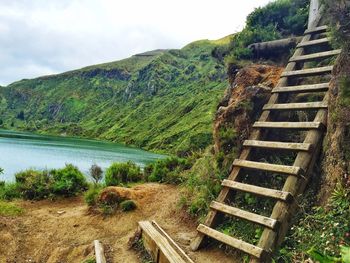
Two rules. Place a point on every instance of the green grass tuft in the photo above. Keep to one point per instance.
(10, 209)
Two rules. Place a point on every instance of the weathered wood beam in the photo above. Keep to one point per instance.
(99, 252)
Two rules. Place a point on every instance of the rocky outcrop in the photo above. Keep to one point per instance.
(243, 100)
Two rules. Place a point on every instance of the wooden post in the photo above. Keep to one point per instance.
(99, 252)
(314, 10)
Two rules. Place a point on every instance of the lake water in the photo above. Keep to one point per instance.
(21, 150)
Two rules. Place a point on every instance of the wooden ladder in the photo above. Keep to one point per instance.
(276, 226)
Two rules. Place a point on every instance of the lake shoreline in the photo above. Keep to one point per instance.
(23, 150)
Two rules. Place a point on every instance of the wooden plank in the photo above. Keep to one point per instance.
(172, 242)
(314, 30)
(275, 168)
(315, 42)
(158, 245)
(257, 190)
(308, 72)
(313, 12)
(278, 145)
(99, 252)
(288, 125)
(233, 242)
(302, 88)
(319, 55)
(297, 106)
(252, 217)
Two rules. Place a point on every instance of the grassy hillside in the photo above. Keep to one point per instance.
(160, 100)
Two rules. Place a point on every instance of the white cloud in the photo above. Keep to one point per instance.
(43, 37)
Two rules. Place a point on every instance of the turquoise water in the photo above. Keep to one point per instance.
(21, 150)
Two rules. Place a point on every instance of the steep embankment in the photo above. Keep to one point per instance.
(162, 100)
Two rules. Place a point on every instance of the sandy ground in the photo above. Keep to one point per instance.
(63, 231)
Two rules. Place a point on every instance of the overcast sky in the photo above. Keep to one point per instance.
(40, 37)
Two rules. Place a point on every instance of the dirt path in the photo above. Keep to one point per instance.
(63, 231)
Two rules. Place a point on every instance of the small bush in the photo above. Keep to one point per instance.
(96, 173)
(167, 170)
(9, 192)
(68, 181)
(91, 196)
(34, 184)
(127, 205)
(121, 173)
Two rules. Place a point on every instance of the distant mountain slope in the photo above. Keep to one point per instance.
(160, 100)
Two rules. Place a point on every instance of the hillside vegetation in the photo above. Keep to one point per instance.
(160, 100)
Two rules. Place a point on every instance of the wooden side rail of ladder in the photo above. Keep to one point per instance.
(275, 226)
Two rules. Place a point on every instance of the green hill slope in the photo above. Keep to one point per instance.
(159, 100)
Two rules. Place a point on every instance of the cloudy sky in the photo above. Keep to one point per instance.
(40, 37)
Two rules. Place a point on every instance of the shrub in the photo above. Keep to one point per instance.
(121, 173)
(34, 184)
(96, 173)
(128, 205)
(91, 196)
(278, 19)
(167, 170)
(203, 184)
(9, 192)
(68, 181)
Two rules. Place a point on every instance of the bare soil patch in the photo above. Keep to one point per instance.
(63, 230)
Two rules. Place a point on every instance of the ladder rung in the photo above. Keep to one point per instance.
(278, 145)
(257, 190)
(288, 125)
(316, 30)
(303, 88)
(297, 106)
(307, 72)
(252, 217)
(314, 42)
(233, 242)
(316, 56)
(276, 168)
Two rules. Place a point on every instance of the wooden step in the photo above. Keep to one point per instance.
(288, 125)
(275, 168)
(297, 106)
(257, 190)
(252, 217)
(278, 145)
(308, 72)
(315, 42)
(319, 29)
(233, 242)
(158, 245)
(316, 56)
(302, 88)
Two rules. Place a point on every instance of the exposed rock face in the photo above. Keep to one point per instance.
(243, 101)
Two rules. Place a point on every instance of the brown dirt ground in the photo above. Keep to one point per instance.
(45, 234)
